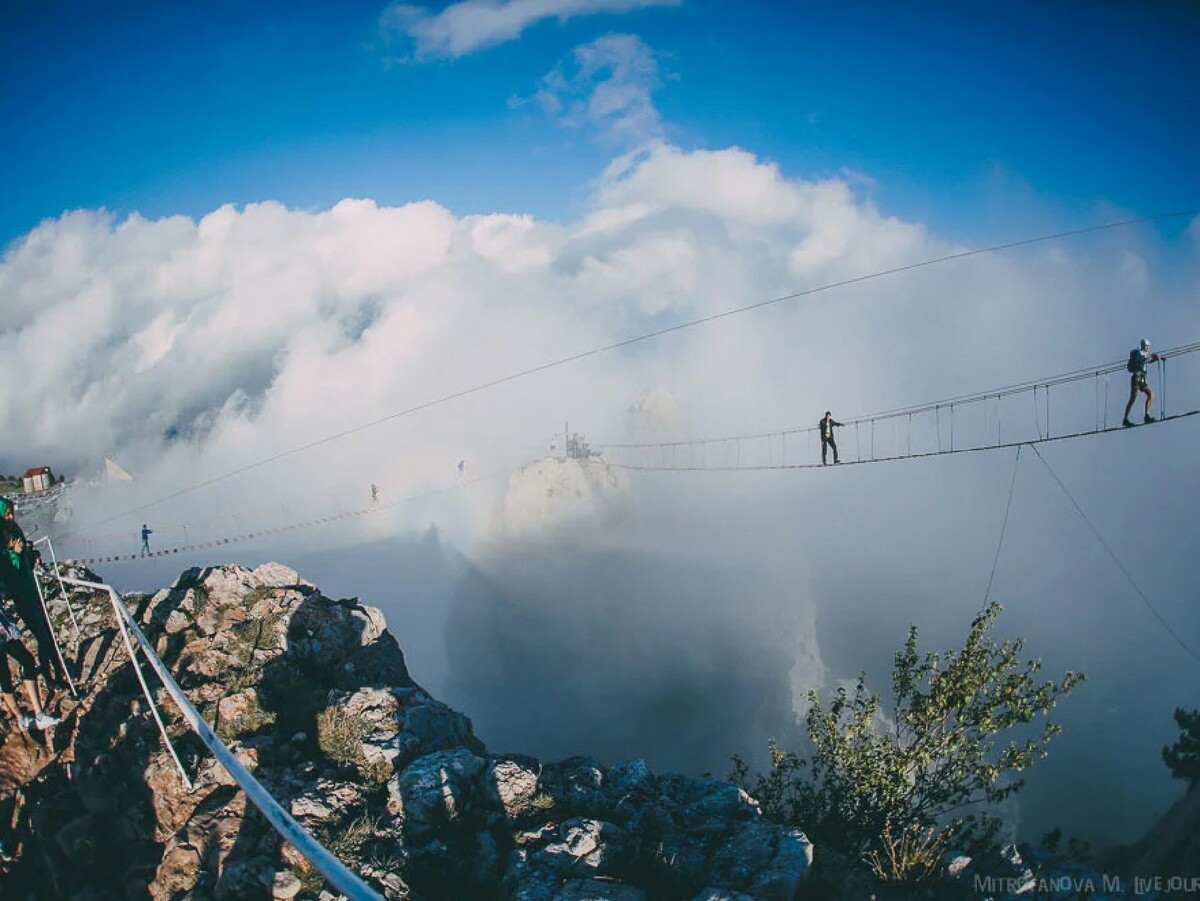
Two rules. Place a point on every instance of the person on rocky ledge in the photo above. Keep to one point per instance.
(11, 646)
(17, 580)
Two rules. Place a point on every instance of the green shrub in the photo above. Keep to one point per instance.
(1183, 757)
(901, 788)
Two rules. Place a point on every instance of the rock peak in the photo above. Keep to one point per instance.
(312, 694)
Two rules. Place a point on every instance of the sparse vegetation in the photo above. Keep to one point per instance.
(1183, 757)
(202, 599)
(346, 840)
(542, 801)
(1074, 849)
(311, 880)
(898, 790)
(912, 857)
(339, 735)
(254, 718)
(378, 772)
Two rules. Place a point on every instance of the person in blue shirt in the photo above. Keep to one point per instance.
(1139, 358)
(146, 533)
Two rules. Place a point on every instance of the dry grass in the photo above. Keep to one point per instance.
(910, 858)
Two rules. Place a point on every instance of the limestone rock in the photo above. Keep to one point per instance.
(312, 695)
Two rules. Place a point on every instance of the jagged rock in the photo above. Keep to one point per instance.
(720, 894)
(313, 696)
(436, 792)
(512, 784)
(287, 885)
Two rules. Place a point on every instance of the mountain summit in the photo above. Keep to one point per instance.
(312, 694)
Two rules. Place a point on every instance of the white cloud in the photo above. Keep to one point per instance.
(188, 349)
(606, 85)
(470, 25)
(197, 346)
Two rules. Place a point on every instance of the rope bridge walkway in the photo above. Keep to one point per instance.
(1072, 405)
(329, 519)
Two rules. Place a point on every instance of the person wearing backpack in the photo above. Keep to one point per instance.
(18, 582)
(1139, 358)
(826, 425)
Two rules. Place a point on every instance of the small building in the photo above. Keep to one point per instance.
(37, 479)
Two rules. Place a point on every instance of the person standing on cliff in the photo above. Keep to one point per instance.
(12, 646)
(17, 564)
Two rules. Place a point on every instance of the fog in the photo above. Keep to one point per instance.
(688, 628)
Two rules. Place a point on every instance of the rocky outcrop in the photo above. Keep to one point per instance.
(312, 694)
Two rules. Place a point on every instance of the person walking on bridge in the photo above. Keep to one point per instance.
(1139, 358)
(826, 425)
(146, 533)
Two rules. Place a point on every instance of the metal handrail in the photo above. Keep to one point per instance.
(337, 873)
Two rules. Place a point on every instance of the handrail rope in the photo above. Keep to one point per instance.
(926, 407)
(647, 336)
(191, 524)
(289, 527)
(909, 456)
(337, 873)
(1117, 560)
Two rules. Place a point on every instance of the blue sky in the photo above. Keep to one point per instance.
(956, 114)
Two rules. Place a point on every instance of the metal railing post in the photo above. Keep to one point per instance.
(61, 586)
(337, 873)
(37, 582)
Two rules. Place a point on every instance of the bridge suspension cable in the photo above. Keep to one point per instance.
(636, 339)
(1117, 560)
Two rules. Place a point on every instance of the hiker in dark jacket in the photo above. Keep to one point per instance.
(826, 425)
(12, 646)
(1139, 358)
(16, 574)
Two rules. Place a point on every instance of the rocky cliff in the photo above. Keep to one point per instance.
(313, 695)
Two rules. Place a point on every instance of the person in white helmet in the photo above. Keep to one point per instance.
(1139, 358)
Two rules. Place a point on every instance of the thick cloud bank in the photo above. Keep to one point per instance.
(186, 350)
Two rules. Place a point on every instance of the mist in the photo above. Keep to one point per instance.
(689, 627)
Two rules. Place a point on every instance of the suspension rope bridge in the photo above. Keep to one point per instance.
(329, 519)
(1016, 415)
(1005, 417)
(647, 336)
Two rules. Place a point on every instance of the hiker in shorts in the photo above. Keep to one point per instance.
(11, 646)
(826, 425)
(1139, 358)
